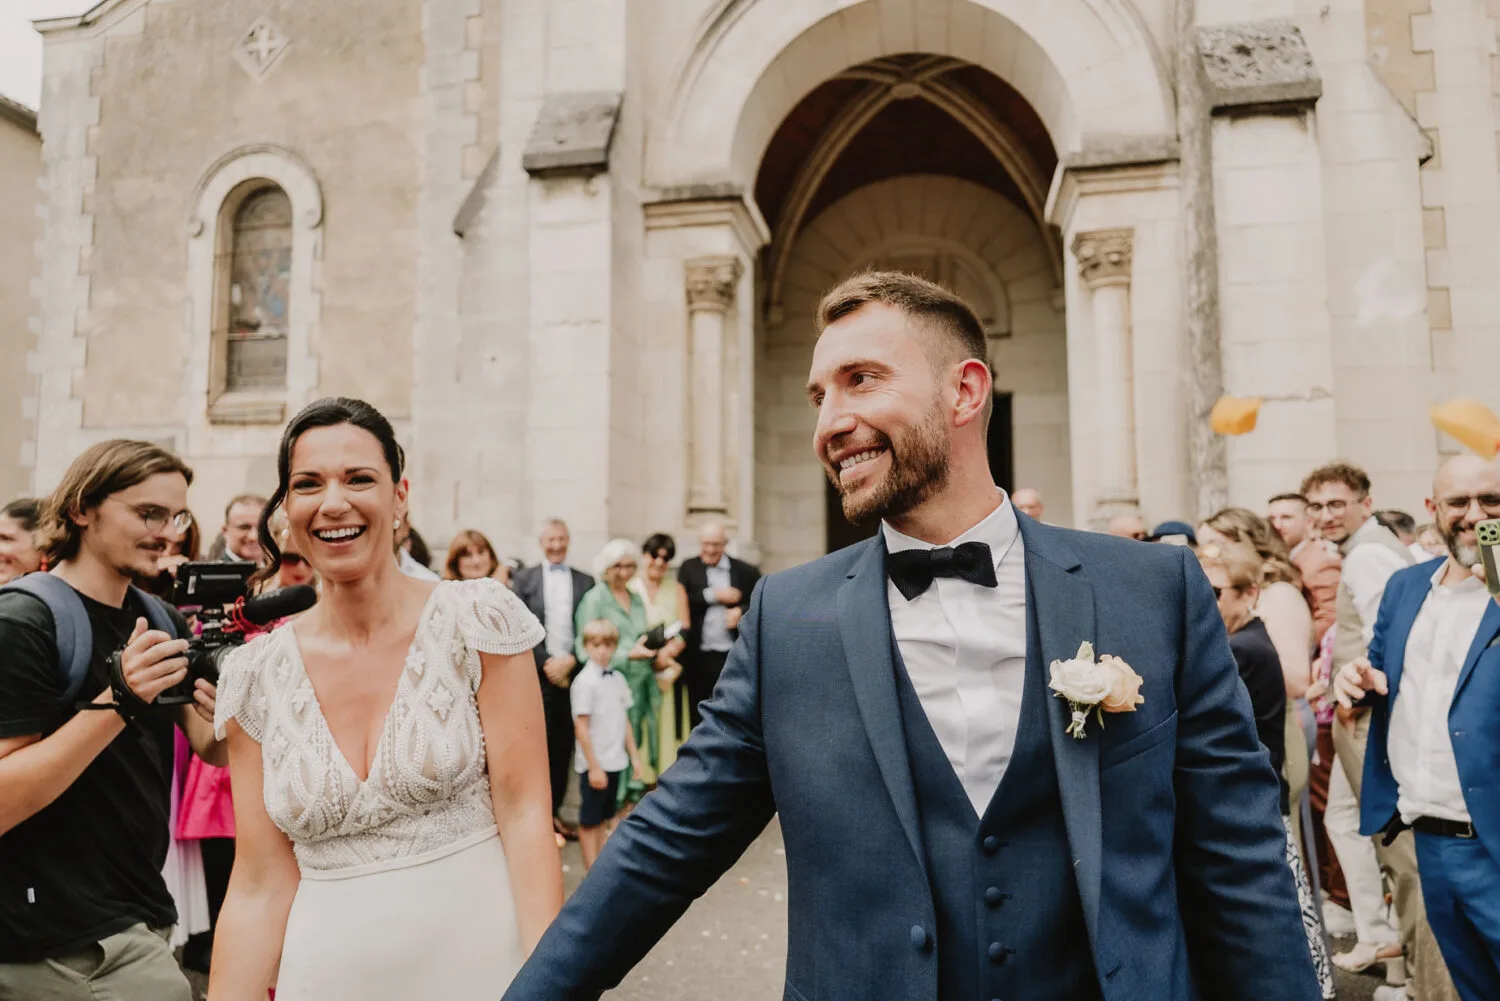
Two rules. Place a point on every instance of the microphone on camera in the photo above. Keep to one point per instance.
(267, 608)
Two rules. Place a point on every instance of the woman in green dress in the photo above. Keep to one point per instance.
(666, 603)
(612, 599)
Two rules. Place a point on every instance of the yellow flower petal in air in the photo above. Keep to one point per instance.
(1234, 414)
(1471, 422)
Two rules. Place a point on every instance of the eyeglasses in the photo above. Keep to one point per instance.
(625, 567)
(156, 518)
(1489, 503)
(1333, 507)
(664, 556)
(293, 560)
(1218, 592)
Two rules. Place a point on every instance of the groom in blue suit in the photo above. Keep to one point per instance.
(1433, 679)
(946, 838)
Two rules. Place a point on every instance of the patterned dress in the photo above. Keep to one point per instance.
(405, 892)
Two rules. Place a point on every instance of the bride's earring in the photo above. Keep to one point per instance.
(398, 525)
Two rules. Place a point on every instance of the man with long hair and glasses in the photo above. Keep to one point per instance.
(85, 796)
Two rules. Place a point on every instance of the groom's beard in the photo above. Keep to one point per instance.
(919, 460)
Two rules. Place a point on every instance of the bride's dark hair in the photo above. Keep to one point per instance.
(328, 412)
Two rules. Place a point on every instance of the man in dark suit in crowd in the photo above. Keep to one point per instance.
(552, 590)
(718, 589)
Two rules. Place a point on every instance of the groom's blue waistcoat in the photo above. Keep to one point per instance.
(1009, 921)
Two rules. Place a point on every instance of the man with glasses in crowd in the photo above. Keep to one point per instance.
(85, 796)
(1340, 506)
(241, 530)
(1431, 684)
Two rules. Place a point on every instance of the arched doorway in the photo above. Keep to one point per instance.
(991, 138)
(925, 164)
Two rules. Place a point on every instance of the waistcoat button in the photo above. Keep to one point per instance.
(998, 952)
(991, 845)
(993, 896)
(919, 939)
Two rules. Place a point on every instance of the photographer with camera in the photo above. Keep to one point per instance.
(84, 796)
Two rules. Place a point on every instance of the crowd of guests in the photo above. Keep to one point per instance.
(632, 647)
(1305, 594)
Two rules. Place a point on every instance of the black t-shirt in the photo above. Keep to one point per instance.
(1260, 670)
(89, 864)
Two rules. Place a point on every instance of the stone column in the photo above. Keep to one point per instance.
(711, 283)
(1104, 263)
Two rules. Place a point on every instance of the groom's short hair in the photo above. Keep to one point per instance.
(943, 313)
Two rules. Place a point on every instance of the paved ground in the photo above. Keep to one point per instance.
(731, 945)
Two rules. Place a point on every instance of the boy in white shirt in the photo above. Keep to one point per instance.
(605, 743)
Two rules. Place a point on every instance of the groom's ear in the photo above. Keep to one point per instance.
(974, 390)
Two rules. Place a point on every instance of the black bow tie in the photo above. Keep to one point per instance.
(913, 570)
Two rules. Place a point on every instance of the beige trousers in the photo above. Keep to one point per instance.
(1429, 980)
(133, 965)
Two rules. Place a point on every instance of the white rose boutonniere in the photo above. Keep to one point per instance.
(1107, 684)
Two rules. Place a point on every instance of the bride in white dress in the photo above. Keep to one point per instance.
(388, 755)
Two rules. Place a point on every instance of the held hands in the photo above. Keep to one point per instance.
(597, 778)
(152, 662)
(1354, 680)
(558, 669)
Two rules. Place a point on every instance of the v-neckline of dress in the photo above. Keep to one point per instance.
(295, 650)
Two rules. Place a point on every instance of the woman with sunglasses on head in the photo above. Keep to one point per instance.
(666, 604)
(394, 814)
(1235, 571)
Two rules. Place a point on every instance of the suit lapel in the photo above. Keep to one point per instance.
(1060, 616)
(1489, 627)
(865, 625)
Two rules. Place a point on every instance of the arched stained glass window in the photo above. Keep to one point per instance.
(259, 284)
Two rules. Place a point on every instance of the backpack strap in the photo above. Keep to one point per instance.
(157, 616)
(75, 636)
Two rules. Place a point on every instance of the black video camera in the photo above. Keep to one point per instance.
(218, 595)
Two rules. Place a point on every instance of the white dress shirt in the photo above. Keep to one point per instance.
(716, 617)
(1419, 745)
(964, 647)
(1367, 567)
(557, 608)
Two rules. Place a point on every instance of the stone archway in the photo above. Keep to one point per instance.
(1088, 67)
(984, 247)
(1068, 97)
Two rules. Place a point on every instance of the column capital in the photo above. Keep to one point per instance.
(711, 282)
(1104, 256)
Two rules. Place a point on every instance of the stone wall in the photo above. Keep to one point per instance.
(20, 230)
(148, 97)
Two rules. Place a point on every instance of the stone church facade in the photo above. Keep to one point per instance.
(572, 247)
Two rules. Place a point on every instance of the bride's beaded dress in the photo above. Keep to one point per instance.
(404, 891)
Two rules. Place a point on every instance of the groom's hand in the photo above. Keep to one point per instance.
(1354, 680)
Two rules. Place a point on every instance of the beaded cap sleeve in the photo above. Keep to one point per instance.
(428, 787)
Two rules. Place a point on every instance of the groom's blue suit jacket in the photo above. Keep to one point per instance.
(1171, 813)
